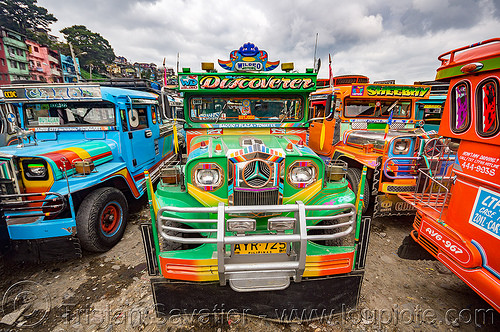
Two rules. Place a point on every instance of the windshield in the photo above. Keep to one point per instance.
(227, 109)
(401, 108)
(70, 114)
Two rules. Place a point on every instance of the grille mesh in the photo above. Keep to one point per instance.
(268, 197)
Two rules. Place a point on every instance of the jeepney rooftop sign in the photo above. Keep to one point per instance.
(246, 82)
(393, 91)
(248, 58)
(52, 93)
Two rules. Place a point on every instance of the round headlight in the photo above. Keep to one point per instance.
(302, 174)
(38, 171)
(402, 146)
(207, 177)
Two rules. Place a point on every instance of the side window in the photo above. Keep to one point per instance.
(123, 120)
(138, 118)
(154, 114)
(487, 123)
(460, 107)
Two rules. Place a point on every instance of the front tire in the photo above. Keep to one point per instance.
(353, 177)
(101, 219)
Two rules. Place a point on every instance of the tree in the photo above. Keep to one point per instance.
(90, 47)
(24, 16)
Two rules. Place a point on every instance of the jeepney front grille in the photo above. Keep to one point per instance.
(400, 189)
(266, 197)
(8, 181)
(428, 245)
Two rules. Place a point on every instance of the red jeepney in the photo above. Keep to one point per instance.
(458, 218)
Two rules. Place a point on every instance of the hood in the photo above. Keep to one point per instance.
(233, 145)
(378, 137)
(58, 155)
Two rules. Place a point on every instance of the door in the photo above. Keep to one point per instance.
(140, 136)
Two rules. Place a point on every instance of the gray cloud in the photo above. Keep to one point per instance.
(397, 39)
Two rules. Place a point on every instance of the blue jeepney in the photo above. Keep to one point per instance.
(79, 162)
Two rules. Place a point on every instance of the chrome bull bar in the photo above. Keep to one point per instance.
(275, 266)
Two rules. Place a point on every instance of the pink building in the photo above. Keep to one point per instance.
(44, 63)
(4, 70)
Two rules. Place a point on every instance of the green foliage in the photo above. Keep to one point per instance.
(90, 47)
(24, 16)
(95, 76)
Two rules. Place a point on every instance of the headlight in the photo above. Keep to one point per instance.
(302, 173)
(209, 176)
(401, 146)
(35, 169)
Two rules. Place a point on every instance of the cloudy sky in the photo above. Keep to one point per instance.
(382, 39)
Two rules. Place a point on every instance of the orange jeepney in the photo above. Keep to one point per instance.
(458, 216)
(372, 125)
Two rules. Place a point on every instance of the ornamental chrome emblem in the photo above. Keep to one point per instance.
(257, 173)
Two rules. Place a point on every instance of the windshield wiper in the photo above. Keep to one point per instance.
(392, 106)
(222, 111)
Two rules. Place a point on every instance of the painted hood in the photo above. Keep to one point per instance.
(59, 154)
(233, 145)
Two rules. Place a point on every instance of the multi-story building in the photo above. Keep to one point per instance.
(44, 63)
(15, 54)
(4, 70)
(38, 62)
(69, 72)
(55, 66)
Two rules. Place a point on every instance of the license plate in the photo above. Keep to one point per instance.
(260, 248)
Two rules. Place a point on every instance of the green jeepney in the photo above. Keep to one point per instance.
(252, 208)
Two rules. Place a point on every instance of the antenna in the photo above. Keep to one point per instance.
(315, 49)
(177, 62)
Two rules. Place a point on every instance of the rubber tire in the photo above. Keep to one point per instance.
(342, 241)
(353, 176)
(411, 250)
(88, 223)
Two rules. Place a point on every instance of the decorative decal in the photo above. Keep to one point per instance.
(445, 243)
(248, 58)
(73, 92)
(357, 90)
(462, 106)
(397, 91)
(188, 82)
(486, 212)
(488, 109)
(231, 82)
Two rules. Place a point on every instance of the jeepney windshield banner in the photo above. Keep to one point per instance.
(246, 83)
(68, 114)
(391, 91)
(228, 109)
(50, 93)
(377, 108)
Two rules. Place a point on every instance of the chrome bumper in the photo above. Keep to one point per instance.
(261, 271)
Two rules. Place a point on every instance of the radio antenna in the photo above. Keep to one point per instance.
(315, 49)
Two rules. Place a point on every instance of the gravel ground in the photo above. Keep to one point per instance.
(111, 292)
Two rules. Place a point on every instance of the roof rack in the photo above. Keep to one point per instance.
(132, 83)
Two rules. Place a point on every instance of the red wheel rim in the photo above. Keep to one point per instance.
(110, 218)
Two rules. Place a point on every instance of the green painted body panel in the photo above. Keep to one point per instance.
(488, 64)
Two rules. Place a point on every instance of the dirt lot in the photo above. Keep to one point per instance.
(111, 292)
